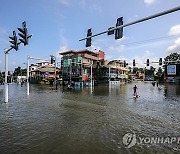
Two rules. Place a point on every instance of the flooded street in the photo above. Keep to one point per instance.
(50, 121)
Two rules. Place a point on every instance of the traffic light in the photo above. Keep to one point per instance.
(134, 63)
(124, 63)
(88, 40)
(23, 34)
(110, 32)
(62, 62)
(119, 31)
(160, 61)
(13, 41)
(52, 59)
(147, 63)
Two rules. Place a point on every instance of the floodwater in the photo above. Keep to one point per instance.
(76, 121)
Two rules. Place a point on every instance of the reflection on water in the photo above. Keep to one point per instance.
(76, 121)
(171, 90)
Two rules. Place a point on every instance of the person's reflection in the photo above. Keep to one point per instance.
(165, 91)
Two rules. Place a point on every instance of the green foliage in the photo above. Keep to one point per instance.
(1, 77)
(159, 75)
(150, 72)
(19, 72)
(173, 57)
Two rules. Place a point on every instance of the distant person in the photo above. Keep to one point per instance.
(135, 90)
(21, 83)
(157, 83)
(153, 83)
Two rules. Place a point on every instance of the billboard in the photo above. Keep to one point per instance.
(171, 70)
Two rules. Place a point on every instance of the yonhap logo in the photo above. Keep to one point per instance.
(129, 140)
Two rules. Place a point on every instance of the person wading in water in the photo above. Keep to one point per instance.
(135, 90)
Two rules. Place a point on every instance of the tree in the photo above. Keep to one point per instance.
(150, 72)
(159, 74)
(172, 57)
(1, 77)
(19, 72)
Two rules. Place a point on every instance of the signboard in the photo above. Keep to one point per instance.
(171, 70)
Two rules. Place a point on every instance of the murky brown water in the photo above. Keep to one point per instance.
(77, 121)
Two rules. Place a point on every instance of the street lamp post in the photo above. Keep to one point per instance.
(91, 77)
(109, 75)
(55, 73)
(28, 58)
(28, 75)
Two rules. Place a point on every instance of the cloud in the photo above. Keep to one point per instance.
(65, 2)
(90, 5)
(63, 44)
(141, 60)
(117, 45)
(82, 4)
(109, 57)
(118, 48)
(149, 2)
(175, 30)
(175, 47)
(147, 44)
(61, 49)
(96, 7)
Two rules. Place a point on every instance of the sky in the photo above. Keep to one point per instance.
(58, 25)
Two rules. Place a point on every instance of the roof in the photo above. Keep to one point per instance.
(116, 61)
(116, 67)
(46, 68)
(86, 51)
(78, 51)
(42, 62)
(67, 52)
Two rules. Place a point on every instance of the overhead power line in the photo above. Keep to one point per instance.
(153, 39)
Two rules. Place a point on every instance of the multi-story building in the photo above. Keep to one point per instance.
(113, 70)
(76, 67)
(43, 72)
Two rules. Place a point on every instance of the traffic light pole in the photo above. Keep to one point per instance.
(137, 21)
(6, 51)
(6, 75)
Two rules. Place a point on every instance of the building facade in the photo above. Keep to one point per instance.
(76, 67)
(43, 72)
